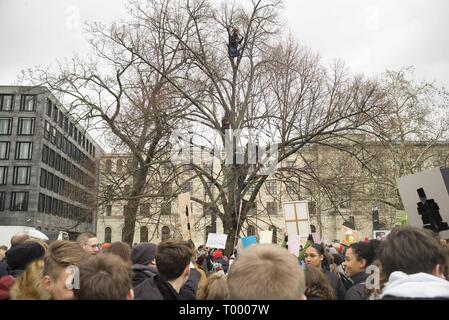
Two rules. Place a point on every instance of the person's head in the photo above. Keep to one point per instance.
(60, 263)
(105, 277)
(39, 241)
(412, 250)
(359, 256)
(89, 242)
(215, 288)
(19, 238)
(235, 31)
(314, 255)
(266, 272)
(29, 285)
(317, 285)
(121, 249)
(19, 256)
(144, 253)
(173, 260)
(3, 250)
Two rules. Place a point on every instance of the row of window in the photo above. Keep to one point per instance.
(144, 209)
(21, 175)
(60, 208)
(165, 234)
(25, 126)
(18, 201)
(63, 165)
(58, 185)
(62, 143)
(24, 150)
(27, 102)
(69, 127)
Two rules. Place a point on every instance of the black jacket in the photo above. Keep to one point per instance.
(155, 288)
(3, 268)
(357, 291)
(337, 284)
(141, 273)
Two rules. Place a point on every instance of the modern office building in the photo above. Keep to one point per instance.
(48, 163)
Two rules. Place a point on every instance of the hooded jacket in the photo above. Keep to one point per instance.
(357, 291)
(141, 273)
(415, 286)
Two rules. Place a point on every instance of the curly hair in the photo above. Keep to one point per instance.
(317, 284)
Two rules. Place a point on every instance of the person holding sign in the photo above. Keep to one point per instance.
(315, 256)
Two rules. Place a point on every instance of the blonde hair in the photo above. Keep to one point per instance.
(41, 242)
(28, 286)
(214, 288)
(266, 272)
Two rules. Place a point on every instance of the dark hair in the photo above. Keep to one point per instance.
(365, 250)
(121, 249)
(172, 257)
(411, 250)
(317, 285)
(62, 254)
(104, 277)
(320, 249)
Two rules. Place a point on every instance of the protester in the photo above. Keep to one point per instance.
(215, 288)
(316, 256)
(412, 260)
(266, 272)
(318, 286)
(173, 260)
(104, 277)
(196, 266)
(19, 238)
(3, 250)
(89, 242)
(143, 257)
(121, 249)
(357, 258)
(28, 286)
(60, 267)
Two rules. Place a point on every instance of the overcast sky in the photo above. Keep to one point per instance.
(370, 36)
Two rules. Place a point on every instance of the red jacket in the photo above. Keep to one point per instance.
(6, 283)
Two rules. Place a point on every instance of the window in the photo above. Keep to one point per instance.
(55, 114)
(24, 150)
(53, 135)
(58, 162)
(345, 200)
(66, 124)
(56, 184)
(22, 175)
(47, 130)
(166, 209)
(43, 179)
(108, 166)
(75, 134)
(6, 102)
(70, 129)
(51, 158)
(28, 102)
(119, 166)
(50, 181)
(272, 208)
(251, 231)
(271, 187)
(19, 201)
(145, 209)
(3, 175)
(48, 203)
(291, 187)
(187, 187)
(49, 108)
(5, 126)
(54, 206)
(25, 126)
(41, 203)
(61, 119)
(2, 201)
(290, 163)
(4, 150)
(107, 235)
(143, 234)
(108, 210)
(165, 233)
(45, 151)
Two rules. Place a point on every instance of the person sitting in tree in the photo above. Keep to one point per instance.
(234, 40)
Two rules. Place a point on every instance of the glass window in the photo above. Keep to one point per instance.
(4, 150)
(54, 206)
(272, 208)
(22, 175)
(58, 162)
(19, 201)
(48, 203)
(108, 165)
(70, 129)
(61, 119)
(24, 150)
(50, 181)
(55, 114)
(3, 175)
(165, 233)
(143, 234)
(53, 135)
(66, 124)
(56, 184)
(108, 210)
(2, 201)
(28, 103)
(107, 235)
(251, 231)
(43, 179)
(41, 204)
(49, 106)
(5, 126)
(25, 126)
(45, 151)
(187, 186)
(6, 102)
(47, 130)
(271, 186)
(51, 159)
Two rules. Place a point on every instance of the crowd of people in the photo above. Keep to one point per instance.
(410, 263)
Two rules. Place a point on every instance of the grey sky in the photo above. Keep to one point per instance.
(370, 36)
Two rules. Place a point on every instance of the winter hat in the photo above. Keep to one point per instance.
(143, 253)
(19, 256)
(338, 247)
(217, 254)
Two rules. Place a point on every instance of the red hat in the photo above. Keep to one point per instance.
(217, 254)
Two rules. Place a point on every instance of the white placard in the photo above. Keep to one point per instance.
(435, 184)
(266, 236)
(294, 242)
(296, 217)
(216, 241)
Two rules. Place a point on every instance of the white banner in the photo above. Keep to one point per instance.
(266, 236)
(216, 241)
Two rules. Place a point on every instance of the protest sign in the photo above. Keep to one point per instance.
(216, 241)
(248, 241)
(294, 243)
(266, 236)
(315, 237)
(348, 236)
(296, 217)
(380, 234)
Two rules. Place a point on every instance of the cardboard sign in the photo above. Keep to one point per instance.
(294, 243)
(216, 241)
(248, 241)
(315, 238)
(296, 217)
(380, 234)
(324, 240)
(266, 236)
(348, 236)
(434, 185)
(184, 207)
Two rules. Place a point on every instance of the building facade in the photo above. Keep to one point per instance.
(48, 163)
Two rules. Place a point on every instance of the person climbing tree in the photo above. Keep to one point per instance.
(234, 40)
